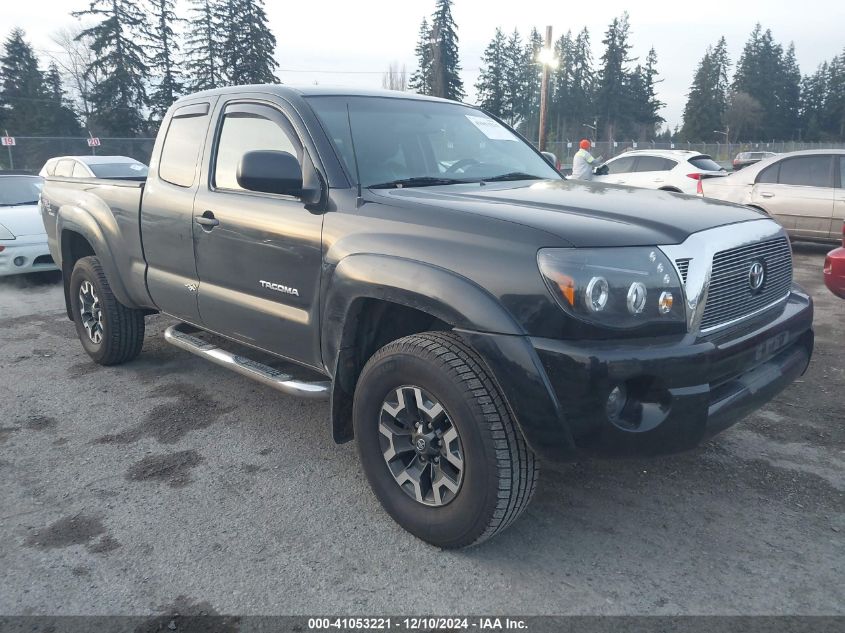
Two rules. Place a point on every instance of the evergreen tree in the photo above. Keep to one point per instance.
(835, 98)
(708, 96)
(646, 105)
(116, 39)
(814, 91)
(202, 46)
(61, 120)
(446, 67)
(561, 87)
(514, 108)
(613, 99)
(23, 94)
(771, 77)
(249, 44)
(582, 85)
(163, 49)
(421, 80)
(491, 87)
(532, 80)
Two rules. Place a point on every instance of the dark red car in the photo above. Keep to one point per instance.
(834, 269)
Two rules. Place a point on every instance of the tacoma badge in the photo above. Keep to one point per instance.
(279, 288)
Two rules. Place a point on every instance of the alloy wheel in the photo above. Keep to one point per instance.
(421, 446)
(90, 312)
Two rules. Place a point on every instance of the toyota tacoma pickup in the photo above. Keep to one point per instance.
(467, 310)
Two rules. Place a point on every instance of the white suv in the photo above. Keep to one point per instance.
(671, 170)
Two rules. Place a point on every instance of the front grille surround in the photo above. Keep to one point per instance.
(715, 265)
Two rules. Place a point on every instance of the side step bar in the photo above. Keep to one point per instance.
(241, 364)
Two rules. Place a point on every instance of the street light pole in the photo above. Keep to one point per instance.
(548, 60)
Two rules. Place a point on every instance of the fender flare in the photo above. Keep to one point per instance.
(455, 300)
(76, 220)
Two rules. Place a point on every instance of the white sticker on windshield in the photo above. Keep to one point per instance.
(491, 129)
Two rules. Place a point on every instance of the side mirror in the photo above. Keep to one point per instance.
(270, 171)
(551, 158)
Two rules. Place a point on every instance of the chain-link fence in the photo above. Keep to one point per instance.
(29, 153)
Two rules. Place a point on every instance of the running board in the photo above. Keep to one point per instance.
(246, 367)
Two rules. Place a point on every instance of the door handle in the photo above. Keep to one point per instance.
(766, 194)
(207, 220)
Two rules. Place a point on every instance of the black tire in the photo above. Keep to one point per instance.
(500, 471)
(122, 328)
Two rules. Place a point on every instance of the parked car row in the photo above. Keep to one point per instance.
(23, 240)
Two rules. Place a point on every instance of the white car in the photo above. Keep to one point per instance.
(23, 240)
(680, 171)
(121, 167)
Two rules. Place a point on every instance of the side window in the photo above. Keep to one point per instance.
(79, 170)
(65, 168)
(248, 129)
(809, 171)
(769, 175)
(621, 166)
(652, 163)
(180, 152)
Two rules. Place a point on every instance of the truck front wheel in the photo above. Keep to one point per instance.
(110, 332)
(437, 441)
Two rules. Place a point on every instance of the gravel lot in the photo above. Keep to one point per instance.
(169, 482)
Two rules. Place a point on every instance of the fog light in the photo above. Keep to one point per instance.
(19, 261)
(616, 402)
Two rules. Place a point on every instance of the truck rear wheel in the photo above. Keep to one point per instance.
(110, 332)
(437, 441)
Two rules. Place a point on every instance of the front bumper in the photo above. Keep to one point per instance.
(25, 254)
(679, 392)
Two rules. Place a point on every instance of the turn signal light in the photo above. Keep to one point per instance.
(566, 285)
(2, 248)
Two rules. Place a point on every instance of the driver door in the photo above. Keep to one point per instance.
(258, 255)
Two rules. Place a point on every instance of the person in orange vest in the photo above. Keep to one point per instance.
(582, 164)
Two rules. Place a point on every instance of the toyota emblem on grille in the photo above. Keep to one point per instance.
(756, 276)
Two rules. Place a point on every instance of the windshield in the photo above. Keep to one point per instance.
(410, 142)
(119, 170)
(19, 190)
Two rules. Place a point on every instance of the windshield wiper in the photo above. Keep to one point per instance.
(419, 181)
(513, 175)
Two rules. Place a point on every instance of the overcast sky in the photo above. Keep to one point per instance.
(336, 42)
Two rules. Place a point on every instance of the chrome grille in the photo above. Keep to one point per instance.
(729, 296)
(683, 267)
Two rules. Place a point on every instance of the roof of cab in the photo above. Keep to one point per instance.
(312, 91)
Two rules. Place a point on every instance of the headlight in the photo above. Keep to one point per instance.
(6, 234)
(618, 288)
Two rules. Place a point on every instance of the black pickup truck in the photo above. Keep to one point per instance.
(467, 310)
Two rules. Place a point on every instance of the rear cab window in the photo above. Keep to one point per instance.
(180, 152)
(79, 171)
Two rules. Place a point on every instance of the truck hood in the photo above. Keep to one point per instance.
(585, 214)
(22, 220)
